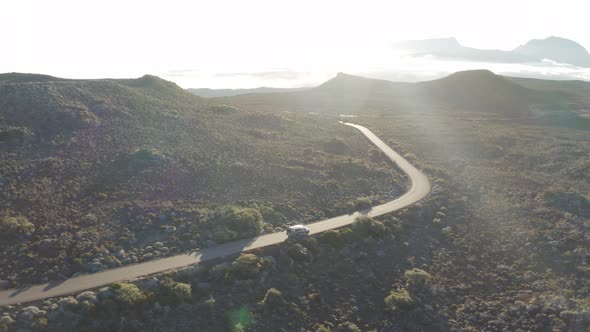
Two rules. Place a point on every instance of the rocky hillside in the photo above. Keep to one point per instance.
(94, 172)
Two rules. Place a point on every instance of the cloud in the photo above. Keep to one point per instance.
(411, 69)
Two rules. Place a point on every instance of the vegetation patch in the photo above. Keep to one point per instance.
(223, 109)
(18, 134)
(10, 226)
(398, 300)
(336, 146)
(128, 294)
(232, 222)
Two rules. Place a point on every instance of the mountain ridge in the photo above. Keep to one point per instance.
(214, 93)
(478, 90)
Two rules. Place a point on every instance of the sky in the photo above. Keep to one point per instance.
(232, 44)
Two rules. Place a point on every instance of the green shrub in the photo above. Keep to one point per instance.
(398, 300)
(231, 222)
(447, 232)
(128, 294)
(14, 133)
(39, 324)
(322, 328)
(365, 226)
(273, 298)
(336, 238)
(331, 237)
(417, 278)
(173, 292)
(348, 327)
(15, 225)
(362, 203)
(246, 266)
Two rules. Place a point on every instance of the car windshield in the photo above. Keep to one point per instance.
(295, 165)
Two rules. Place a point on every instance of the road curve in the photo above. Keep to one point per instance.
(420, 187)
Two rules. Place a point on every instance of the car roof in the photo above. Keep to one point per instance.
(297, 227)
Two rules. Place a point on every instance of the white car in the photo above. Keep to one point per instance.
(297, 231)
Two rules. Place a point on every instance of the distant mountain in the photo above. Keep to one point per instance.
(213, 93)
(480, 89)
(557, 49)
(476, 90)
(347, 85)
(553, 48)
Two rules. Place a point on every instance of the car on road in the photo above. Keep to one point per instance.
(297, 231)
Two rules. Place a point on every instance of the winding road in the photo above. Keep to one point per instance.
(420, 187)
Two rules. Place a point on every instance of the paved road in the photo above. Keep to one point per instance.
(420, 187)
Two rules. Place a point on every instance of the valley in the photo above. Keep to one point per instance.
(500, 243)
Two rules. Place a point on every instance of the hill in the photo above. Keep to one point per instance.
(477, 90)
(20, 78)
(48, 106)
(480, 90)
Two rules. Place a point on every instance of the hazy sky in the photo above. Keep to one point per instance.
(240, 43)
